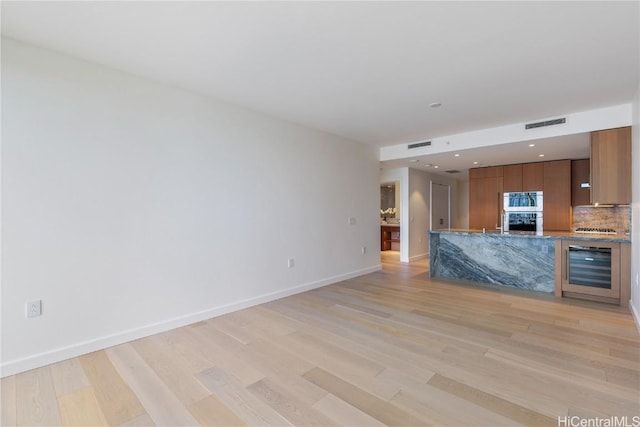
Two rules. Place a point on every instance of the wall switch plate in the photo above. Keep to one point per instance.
(290, 263)
(352, 220)
(364, 250)
(33, 308)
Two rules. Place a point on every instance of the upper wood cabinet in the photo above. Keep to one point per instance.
(512, 178)
(580, 174)
(523, 177)
(557, 195)
(532, 176)
(611, 166)
(486, 187)
(488, 172)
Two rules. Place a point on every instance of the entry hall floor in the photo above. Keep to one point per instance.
(388, 348)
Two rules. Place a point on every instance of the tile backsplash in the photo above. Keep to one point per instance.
(616, 217)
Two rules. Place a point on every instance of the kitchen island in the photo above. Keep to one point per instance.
(525, 261)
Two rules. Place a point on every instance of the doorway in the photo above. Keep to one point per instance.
(390, 219)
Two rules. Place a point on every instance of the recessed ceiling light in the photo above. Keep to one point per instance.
(457, 155)
(435, 104)
(475, 163)
(436, 166)
(540, 155)
(428, 165)
(414, 160)
(532, 145)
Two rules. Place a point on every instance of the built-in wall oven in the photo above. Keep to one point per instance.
(523, 221)
(523, 212)
(529, 201)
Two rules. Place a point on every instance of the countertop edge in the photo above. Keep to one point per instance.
(546, 235)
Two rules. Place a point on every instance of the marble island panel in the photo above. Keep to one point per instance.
(520, 261)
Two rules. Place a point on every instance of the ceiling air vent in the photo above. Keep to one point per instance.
(452, 171)
(420, 144)
(545, 123)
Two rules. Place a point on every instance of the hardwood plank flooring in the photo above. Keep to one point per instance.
(388, 348)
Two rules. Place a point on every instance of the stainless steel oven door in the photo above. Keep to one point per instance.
(523, 222)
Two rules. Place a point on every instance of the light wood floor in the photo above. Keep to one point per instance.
(388, 348)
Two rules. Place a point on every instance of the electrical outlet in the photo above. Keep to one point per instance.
(364, 250)
(290, 263)
(33, 308)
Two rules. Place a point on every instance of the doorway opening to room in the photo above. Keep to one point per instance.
(390, 220)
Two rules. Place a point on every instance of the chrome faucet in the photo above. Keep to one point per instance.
(501, 226)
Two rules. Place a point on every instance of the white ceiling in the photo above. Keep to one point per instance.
(575, 146)
(364, 70)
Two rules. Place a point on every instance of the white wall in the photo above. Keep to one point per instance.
(130, 207)
(419, 214)
(635, 214)
(462, 204)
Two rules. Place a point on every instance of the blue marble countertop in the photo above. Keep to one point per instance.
(553, 235)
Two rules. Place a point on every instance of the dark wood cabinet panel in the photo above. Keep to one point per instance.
(512, 178)
(611, 166)
(557, 195)
(532, 176)
(580, 174)
(389, 234)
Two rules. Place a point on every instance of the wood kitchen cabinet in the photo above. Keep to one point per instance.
(532, 176)
(618, 290)
(580, 196)
(611, 166)
(485, 197)
(512, 178)
(557, 195)
(486, 187)
(523, 177)
(488, 172)
(389, 234)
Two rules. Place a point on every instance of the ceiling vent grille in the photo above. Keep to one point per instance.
(545, 123)
(420, 144)
(452, 171)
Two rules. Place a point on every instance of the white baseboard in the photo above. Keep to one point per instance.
(418, 257)
(16, 366)
(635, 315)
